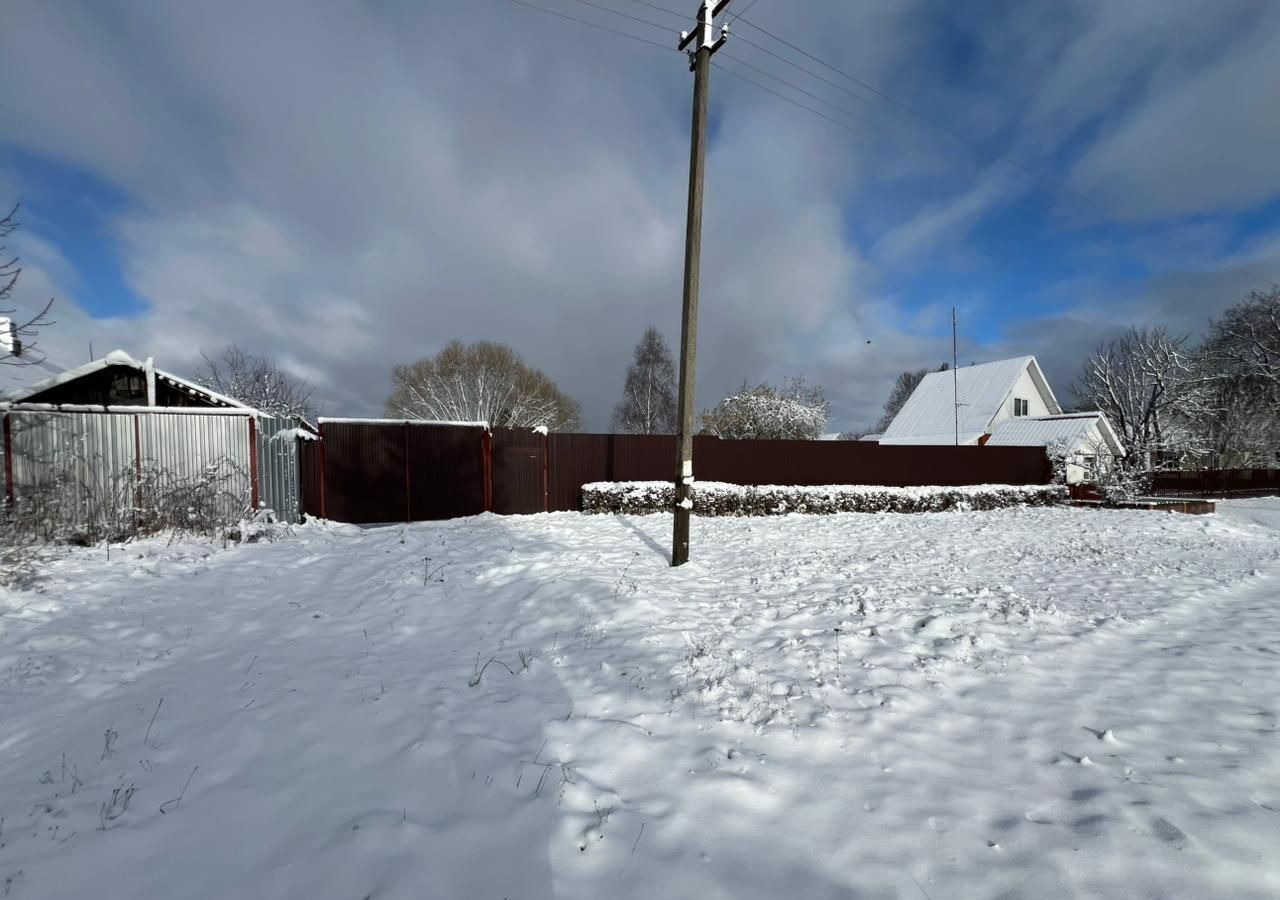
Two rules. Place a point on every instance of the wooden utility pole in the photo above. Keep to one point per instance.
(705, 42)
(955, 375)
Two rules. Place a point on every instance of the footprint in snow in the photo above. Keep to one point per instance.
(1168, 832)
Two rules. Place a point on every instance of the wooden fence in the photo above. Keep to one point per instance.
(393, 471)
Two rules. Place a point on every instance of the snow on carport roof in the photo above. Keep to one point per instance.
(929, 415)
(1072, 430)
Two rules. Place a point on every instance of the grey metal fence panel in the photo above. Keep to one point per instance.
(72, 468)
(190, 447)
(69, 466)
(279, 466)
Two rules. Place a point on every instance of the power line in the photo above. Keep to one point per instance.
(720, 66)
(801, 90)
(743, 62)
(670, 12)
(618, 12)
(781, 96)
(973, 143)
(809, 72)
(1044, 179)
(552, 12)
(735, 18)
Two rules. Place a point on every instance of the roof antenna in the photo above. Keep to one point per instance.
(91, 357)
(955, 375)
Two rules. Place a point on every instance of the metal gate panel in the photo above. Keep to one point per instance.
(519, 471)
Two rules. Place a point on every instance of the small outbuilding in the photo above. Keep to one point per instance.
(118, 379)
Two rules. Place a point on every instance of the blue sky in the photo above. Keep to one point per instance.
(319, 182)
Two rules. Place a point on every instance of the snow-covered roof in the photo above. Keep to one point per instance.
(929, 415)
(1072, 430)
(114, 358)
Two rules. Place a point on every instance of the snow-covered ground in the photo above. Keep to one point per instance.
(1035, 703)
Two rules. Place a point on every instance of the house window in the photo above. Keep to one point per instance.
(1020, 407)
(127, 387)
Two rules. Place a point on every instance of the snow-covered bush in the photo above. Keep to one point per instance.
(712, 498)
(795, 412)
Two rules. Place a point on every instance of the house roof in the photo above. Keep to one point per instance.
(929, 415)
(114, 358)
(1072, 430)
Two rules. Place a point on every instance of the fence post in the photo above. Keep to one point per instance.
(324, 511)
(546, 471)
(253, 463)
(8, 462)
(486, 465)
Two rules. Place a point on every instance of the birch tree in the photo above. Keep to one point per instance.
(258, 382)
(481, 382)
(795, 412)
(649, 396)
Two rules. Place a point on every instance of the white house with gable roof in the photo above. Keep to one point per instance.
(1004, 403)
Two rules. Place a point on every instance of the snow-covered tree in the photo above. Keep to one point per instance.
(481, 382)
(256, 381)
(1154, 390)
(795, 412)
(649, 397)
(16, 345)
(903, 387)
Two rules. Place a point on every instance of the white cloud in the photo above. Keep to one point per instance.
(347, 187)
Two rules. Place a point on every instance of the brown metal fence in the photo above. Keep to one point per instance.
(865, 462)
(1218, 483)
(388, 471)
(391, 471)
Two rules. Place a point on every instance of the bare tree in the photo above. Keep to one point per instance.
(1242, 427)
(903, 387)
(256, 381)
(795, 412)
(1154, 391)
(1243, 347)
(481, 382)
(649, 397)
(16, 344)
(1247, 337)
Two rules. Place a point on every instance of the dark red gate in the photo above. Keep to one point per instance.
(519, 471)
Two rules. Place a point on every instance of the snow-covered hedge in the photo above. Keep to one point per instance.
(713, 498)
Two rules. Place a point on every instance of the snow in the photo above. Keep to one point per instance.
(329, 420)
(929, 415)
(1073, 432)
(295, 434)
(1030, 702)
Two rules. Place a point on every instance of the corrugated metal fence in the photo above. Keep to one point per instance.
(279, 465)
(387, 471)
(80, 465)
(1218, 483)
